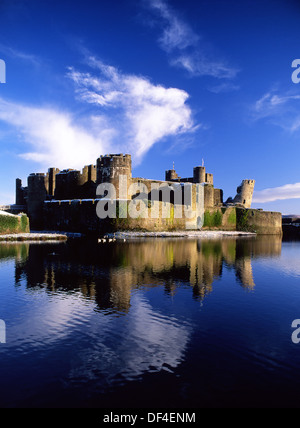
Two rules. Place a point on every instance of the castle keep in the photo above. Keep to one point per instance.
(66, 200)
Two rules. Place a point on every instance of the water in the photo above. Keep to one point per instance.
(155, 323)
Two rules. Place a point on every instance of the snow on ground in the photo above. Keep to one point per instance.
(33, 237)
(6, 213)
(181, 234)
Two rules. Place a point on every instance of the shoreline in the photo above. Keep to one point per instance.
(33, 237)
(181, 234)
(49, 236)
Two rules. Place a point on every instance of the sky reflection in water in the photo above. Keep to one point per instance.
(150, 323)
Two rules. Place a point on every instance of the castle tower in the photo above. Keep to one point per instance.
(19, 192)
(87, 183)
(37, 193)
(67, 185)
(89, 173)
(199, 175)
(111, 167)
(245, 193)
(171, 175)
(209, 178)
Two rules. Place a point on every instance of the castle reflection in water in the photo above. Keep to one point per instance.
(109, 273)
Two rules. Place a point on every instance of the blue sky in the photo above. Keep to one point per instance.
(167, 81)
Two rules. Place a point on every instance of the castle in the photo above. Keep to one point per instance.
(66, 200)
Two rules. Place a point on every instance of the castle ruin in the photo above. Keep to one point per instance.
(66, 199)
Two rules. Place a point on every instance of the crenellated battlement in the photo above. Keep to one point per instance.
(116, 169)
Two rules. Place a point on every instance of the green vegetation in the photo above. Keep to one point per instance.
(24, 223)
(14, 224)
(9, 224)
(213, 219)
(242, 223)
(232, 217)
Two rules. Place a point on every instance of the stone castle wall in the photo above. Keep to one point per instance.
(81, 216)
(67, 200)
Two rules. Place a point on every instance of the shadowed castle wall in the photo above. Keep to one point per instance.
(37, 194)
(65, 200)
(81, 216)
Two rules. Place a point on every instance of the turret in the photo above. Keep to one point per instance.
(111, 167)
(199, 175)
(245, 193)
(171, 175)
(67, 184)
(19, 192)
(37, 193)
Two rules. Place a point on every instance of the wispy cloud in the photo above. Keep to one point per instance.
(184, 46)
(55, 137)
(279, 109)
(126, 113)
(223, 87)
(198, 64)
(288, 191)
(11, 52)
(143, 112)
(176, 34)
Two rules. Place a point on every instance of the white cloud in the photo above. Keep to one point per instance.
(145, 113)
(176, 34)
(288, 191)
(198, 65)
(55, 137)
(269, 103)
(281, 110)
(19, 55)
(129, 115)
(184, 45)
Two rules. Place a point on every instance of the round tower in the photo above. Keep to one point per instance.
(199, 174)
(245, 193)
(115, 169)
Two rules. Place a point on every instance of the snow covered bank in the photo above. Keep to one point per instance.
(32, 237)
(181, 234)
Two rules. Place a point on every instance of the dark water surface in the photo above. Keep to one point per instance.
(156, 323)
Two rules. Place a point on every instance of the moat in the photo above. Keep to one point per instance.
(150, 323)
